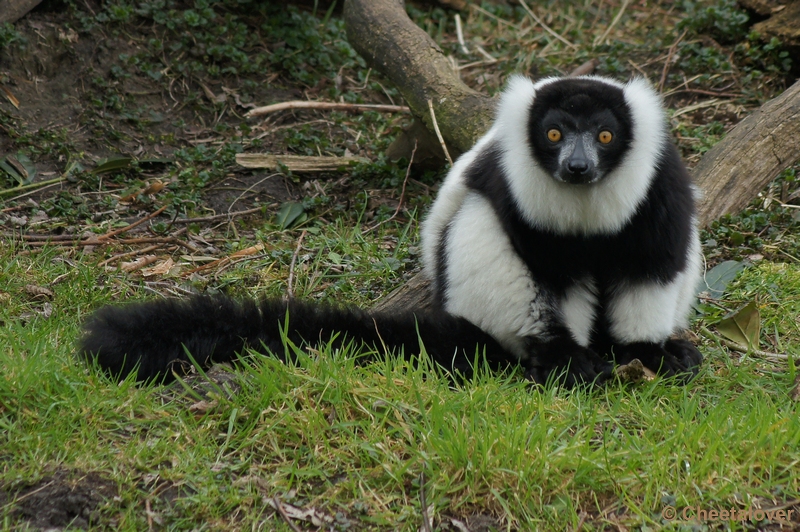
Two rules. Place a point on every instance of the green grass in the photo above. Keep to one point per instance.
(330, 435)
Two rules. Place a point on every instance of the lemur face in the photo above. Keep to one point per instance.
(579, 130)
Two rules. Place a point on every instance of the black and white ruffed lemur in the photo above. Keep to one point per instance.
(565, 241)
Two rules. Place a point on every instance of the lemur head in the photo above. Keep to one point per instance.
(579, 129)
(579, 154)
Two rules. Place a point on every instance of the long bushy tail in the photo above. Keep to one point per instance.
(151, 338)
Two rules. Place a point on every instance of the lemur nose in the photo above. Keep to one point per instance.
(578, 166)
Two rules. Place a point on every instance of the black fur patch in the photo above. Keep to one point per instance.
(153, 338)
(577, 106)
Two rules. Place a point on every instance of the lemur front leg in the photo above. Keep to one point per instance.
(643, 318)
(561, 358)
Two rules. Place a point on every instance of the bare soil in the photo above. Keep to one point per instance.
(63, 499)
(64, 81)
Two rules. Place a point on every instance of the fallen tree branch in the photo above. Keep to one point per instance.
(390, 42)
(752, 154)
(13, 10)
(297, 163)
(330, 106)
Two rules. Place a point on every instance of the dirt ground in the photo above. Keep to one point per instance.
(55, 84)
(60, 500)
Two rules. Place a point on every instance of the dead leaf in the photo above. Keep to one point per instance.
(742, 327)
(153, 188)
(213, 97)
(67, 35)
(201, 407)
(795, 393)
(246, 252)
(633, 371)
(316, 517)
(161, 269)
(38, 292)
(10, 97)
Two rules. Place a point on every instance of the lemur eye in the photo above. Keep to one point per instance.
(553, 135)
(605, 137)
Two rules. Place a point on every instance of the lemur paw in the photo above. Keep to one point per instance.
(577, 366)
(685, 353)
(677, 358)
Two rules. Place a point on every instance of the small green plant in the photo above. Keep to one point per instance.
(10, 37)
(723, 20)
(768, 57)
(768, 227)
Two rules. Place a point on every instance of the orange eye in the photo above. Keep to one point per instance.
(553, 135)
(605, 137)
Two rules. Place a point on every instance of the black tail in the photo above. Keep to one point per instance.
(153, 338)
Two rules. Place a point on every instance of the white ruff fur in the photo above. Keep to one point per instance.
(578, 310)
(448, 201)
(602, 207)
(490, 285)
(651, 312)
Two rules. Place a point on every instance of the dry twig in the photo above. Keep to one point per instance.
(330, 106)
(279, 506)
(290, 281)
(138, 264)
(126, 241)
(131, 226)
(246, 252)
(460, 35)
(402, 191)
(670, 55)
(216, 216)
(439, 133)
(426, 519)
(133, 253)
(613, 23)
(742, 348)
(546, 28)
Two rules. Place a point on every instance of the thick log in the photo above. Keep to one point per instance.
(13, 10)
(783, 23)
(390, 42)
(730, 174)
(754, 152)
